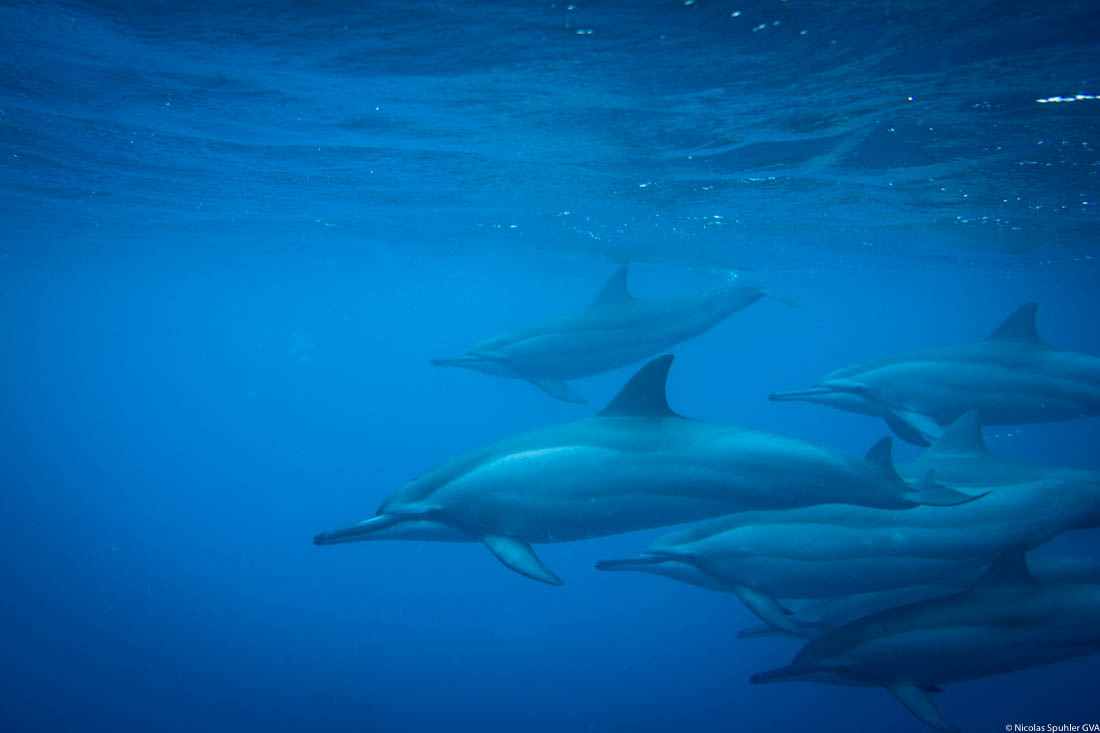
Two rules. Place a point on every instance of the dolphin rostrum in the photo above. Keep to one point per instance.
(1011, 377)
(616, 329)
(635, 465)
(1008, 621)
(827, 551)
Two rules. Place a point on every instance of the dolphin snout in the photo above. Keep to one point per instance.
(336, 537)
(799, 394)
(459, 361)
(629, 563)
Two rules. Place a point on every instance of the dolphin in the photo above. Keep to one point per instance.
(1011, 377)
(635, 465)
(829, 613)
(960, 459)
(834, 550)
(1008, 621)
(616, 329)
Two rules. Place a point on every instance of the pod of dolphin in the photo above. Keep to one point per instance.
(904, 577)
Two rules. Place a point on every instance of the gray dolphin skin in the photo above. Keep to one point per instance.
(1008, 621)
(615, 330)
(635, 465)
(828, 551)
(1012, 377)
(823, 614)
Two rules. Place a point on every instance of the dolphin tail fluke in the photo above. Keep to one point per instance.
(518, 555)
(360, 531)
(769, 610)
(781, 297)
(558, 389)
(920, 704)
(641, 562)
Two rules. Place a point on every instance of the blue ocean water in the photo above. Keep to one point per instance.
(234, 234)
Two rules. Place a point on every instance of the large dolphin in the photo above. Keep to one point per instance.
(826, 551)
(635, 465)
(1010, 377)
(1008, 621)
(616, 329)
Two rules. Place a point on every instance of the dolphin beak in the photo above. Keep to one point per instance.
(783, 674)
(458, 362)
(630, 563)
(809, 395)
(357, 532)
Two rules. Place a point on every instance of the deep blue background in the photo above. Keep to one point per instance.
(224, 271)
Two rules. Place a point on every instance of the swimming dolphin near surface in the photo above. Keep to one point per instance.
(826, 551)
(1010, 377)
(615, 330)
(635, 465)
(1008, 621)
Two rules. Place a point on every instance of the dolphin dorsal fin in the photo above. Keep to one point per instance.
(1019, 327)
(964, 436)
(613, 291)
(644, 394)
(882, 455)
(1009, 568)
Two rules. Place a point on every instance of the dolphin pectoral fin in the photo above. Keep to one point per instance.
(518, 555)
(920, 704)
(768, 609)
(763, 631)
(781, 297)
(913, 427)
(559, 389)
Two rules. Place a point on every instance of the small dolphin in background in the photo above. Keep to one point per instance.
(960, 459)
(635, 465)
(827, 551)
(616, 329)
(1008, 621)
(1011, 377)
(829, 613)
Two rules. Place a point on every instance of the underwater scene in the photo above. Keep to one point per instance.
(643, 366)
